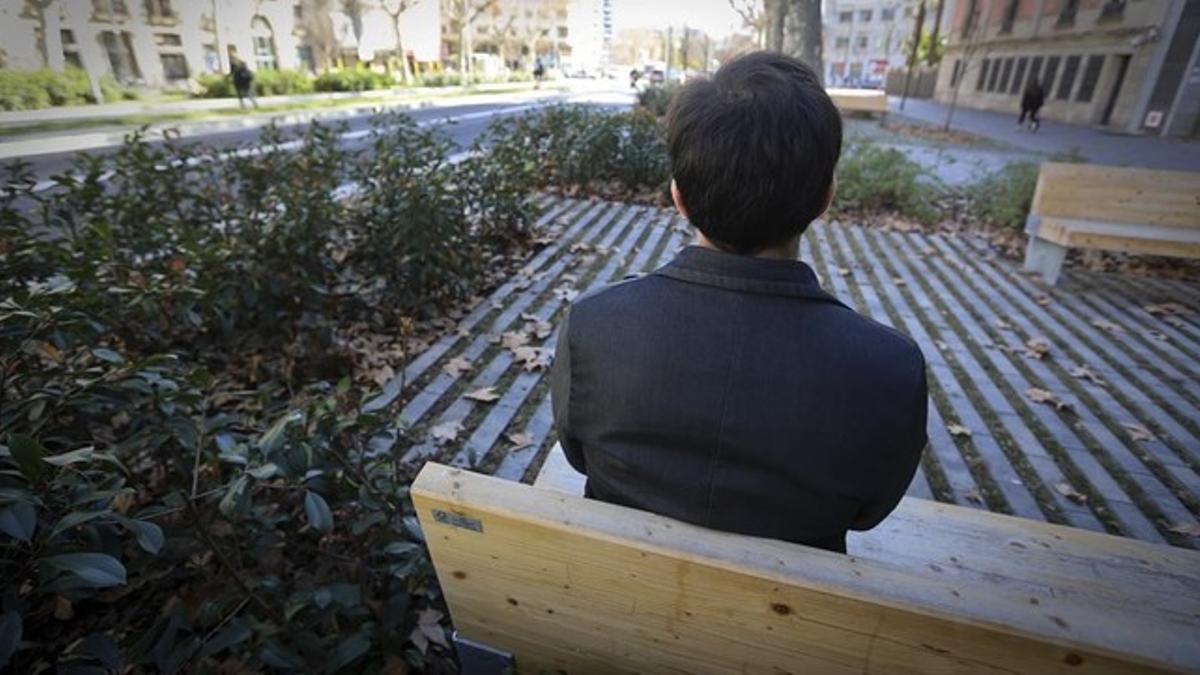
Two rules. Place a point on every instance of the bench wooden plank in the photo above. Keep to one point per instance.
(859, 100)
(580, 585)
(1178, 242)
(1118, 194)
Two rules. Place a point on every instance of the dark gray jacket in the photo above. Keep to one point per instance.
(732, 392)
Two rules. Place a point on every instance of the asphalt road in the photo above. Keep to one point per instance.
(462, 122)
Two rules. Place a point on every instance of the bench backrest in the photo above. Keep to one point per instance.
(1118, 195)
(576, 585)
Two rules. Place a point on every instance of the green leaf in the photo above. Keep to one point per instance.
(74, 519)
(277, 656)
(108, 355)
(96, 570)
(11, 628)
(274, 437)
(72, 457)
(401, 548)
(149, 536)
(18, 520)
(235, 497)
(28, 454)
(347, 652)
(317, 510)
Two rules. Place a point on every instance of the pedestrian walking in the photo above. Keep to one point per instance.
(243, 83)
(539, 71)
(633, 78)
(1031, 103)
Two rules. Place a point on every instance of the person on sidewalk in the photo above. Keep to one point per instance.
(1031, 103)
(243, 83)
(727, 389)
(539, 71)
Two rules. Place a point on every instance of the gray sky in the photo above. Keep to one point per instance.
(714, 17)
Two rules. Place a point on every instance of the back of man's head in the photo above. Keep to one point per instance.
(753, 151)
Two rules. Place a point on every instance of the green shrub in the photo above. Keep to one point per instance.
(873, 178)
(580, 150)
(190, 475)
(215, 85)
(657, 99)
(282, 82)
(34, 89)
(359, 79)
(1003, 198)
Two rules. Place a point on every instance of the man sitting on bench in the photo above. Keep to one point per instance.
(727, 389)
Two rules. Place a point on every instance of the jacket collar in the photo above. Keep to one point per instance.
(700, 265)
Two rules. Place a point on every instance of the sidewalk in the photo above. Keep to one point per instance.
(1093, 144)
(130, 108)
(53, 142)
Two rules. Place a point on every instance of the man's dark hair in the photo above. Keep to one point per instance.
(753, 151)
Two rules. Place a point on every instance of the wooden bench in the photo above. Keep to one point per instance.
(859, 100)
(1113, 209)
(540, 577)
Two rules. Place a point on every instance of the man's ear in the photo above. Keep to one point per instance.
(678, 199)
(829, 195)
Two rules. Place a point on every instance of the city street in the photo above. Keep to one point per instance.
(462, 118)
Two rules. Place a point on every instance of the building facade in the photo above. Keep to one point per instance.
(863, 39)
(166, 43)
(1129, 65)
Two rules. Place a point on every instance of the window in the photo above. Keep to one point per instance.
(212, 58)
(264, 44)
(862, 42)
(1010, 16)
(1070, 69)
(864, 15)
(68, 37)
(968, 18)
(845, 17)
(72, 59)
(108, 10)
(1066, 17)
(159, 10)
(1035, 68)
(1019, 75)
(887, 14)
(118, 47)
(994, 76)
(304, 55)
(1091, 75)
(983, 69)
(1112, 9)
(1050, 74)
(1005, 74)
(70, 48)
(562, 31)
(168, 40)
(174, 66)
(298, 13)
(843, 42)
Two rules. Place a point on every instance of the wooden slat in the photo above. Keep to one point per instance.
(1121, 237)
(1118, 195)
(859, 100)
(583, 586)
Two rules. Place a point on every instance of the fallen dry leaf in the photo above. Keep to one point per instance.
(1036, 348)
(1049, 398)
(1085, 373)
(1138, 432)
(1189, 529)
(843, 272)
(1158, 335)
(1068, 491)
(958, 430)
(941, 345)
(520, 439)
(446, 432)
(1168, 308)
(973, 496)
(533, 358)
(1106, 325)
(382, 376)
(456, 366)
(514, 339)
(428, 630)
(1042, 300)
(1174, 321)
(899, 282)
(566, 293)
(483, 395)
(1003, 325)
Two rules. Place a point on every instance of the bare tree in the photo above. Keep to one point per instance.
(394, 9)
(318, 31)
(754, 17)
(775, 16)
(970, 44)
(935, 49)
(803, 33)
(463, 13)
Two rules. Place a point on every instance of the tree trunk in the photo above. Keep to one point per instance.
(934, 57)
(802, 39)
(776, 13)
(405, 75)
